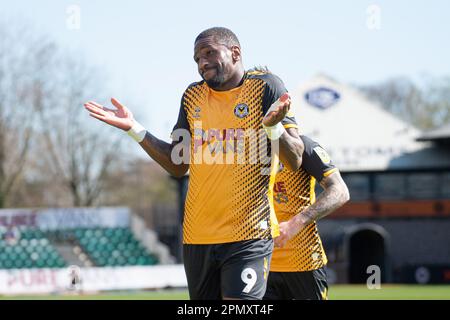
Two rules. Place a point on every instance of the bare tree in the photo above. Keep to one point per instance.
(76, 152)
(425, 105)
(17, 97)
(45, 136)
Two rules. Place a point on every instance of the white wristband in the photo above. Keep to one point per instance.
(137, 132)
(275, 132)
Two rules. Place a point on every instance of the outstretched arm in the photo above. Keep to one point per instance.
(122, 118)
(290, 144)
(161, 152)
(335, 195)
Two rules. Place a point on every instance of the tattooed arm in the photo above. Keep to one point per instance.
(335, 195)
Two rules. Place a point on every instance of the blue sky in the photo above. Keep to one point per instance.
(146, 47)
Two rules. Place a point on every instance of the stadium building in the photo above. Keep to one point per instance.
(399, 181)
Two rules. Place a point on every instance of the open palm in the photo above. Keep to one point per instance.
(277, 111)
(121, 117)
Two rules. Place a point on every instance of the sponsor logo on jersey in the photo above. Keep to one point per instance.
(197, 112)
(280, 192)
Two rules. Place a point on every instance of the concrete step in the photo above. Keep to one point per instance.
(73, 255)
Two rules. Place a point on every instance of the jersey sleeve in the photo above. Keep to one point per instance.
(182, 122)
(316, 160)
(275, 89)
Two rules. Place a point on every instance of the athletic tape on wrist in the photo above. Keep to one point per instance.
(275, 132)
(137, 132)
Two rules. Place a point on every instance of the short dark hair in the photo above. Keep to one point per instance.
(222, 34)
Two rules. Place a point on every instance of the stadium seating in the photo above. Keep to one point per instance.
(35, 248)
(113, 247)
(31, 250)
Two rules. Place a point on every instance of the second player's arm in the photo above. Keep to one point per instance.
(335, 195)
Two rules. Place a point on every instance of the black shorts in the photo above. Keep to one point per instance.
(236, 270)
(308, 285)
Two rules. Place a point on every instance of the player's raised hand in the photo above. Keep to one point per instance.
(121, 117)
(277, 111)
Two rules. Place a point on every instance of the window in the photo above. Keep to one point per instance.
(390, 186)
(445, 183)
(358, 186)
(423, 186)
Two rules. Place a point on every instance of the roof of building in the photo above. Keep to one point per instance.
(442, 133)
(359, 134)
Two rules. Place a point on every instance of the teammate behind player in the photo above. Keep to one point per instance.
(298, 260)
(229, 222)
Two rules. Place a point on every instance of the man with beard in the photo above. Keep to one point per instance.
(229, 222)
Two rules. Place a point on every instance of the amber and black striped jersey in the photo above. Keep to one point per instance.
(231, 171)
(293, 192)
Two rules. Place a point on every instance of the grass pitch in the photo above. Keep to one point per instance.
(336, 292)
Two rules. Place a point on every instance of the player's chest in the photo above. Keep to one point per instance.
(236, 109)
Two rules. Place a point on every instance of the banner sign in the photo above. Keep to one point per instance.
(54, 281)
(66, 218)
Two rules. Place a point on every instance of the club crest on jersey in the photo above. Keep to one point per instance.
(241, 110)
